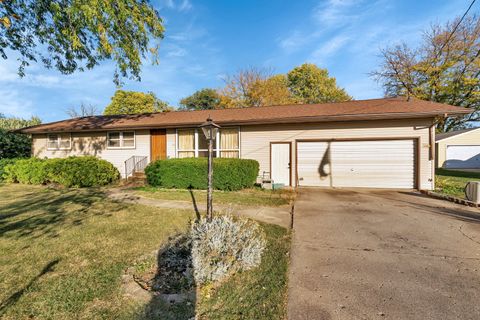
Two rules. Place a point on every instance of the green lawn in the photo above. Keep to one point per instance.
(453, 182)
(63, 253)
(249, 197)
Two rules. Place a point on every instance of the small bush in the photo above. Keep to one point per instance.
(228, 174)
(3, 164)
(71, 172)
(85, 171)
(225, 246)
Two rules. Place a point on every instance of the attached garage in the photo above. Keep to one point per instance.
(387, 163)
(459, 149)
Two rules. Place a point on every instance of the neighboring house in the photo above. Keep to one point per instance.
(379, 143)
(458, 149)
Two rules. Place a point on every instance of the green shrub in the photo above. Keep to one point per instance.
(85, 171)
(228, 174)
(27, 171)
(3, 164)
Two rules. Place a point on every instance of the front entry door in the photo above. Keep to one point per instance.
(158, 144)
(280, 162)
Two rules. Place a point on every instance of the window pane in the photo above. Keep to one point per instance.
(114, 135)
(229, 138)
(114, 143)
(202, 154)
(65, 144)
(128, 135)
(128, 143)
(202, 141)
(229, 154)
(52, 137)
(186, 154)
(52, 144)
(186, 139)
(65, 141)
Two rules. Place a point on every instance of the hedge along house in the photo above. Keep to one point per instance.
(458, 149)
(378, 143)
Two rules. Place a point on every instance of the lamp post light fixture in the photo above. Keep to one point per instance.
(210, 130)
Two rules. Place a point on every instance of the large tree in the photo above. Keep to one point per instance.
(445, 68)
(132, 102)
(15, 145)
(272, 91)
(258, 87)
(76, 35)
(255, 87)
(238, 89)
(311, 84)
(204, 99)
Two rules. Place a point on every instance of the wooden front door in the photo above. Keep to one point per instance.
(158, 144)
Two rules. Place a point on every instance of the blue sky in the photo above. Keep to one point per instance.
(205, 40)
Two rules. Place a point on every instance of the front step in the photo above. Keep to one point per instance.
(139, 174)
(137, 178)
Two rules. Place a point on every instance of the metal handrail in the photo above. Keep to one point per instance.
(141, 164)
(135, 164)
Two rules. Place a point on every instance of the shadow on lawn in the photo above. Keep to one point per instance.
(173, 284)
(195, 206)
(44, 213)
(4, 305)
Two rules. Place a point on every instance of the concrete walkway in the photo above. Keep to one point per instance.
(383, 255)
(275, 215)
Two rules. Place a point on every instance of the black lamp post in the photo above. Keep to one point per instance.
(210, 130)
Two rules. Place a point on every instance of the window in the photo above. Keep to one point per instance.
(59, 141)
(121, 139)
(186, 143)
(192, 143)
(229, 144)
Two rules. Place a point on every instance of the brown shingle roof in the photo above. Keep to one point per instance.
(388, 108)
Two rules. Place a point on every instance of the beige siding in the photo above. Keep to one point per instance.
(465, 139)
(255, 140)
(171, 143)
(94, 143)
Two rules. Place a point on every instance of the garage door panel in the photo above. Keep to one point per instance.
(309, 165)
(371, 164)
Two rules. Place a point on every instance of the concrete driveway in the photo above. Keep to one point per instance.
(383, 255)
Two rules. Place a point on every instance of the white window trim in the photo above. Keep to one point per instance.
(195, 150)
(58, 141)
(121, 140)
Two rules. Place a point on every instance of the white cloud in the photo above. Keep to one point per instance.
(176, 51)
(337, 12)
(295, 41)
(328, 49)
(14, 104)
(185, 6)
(180, 5)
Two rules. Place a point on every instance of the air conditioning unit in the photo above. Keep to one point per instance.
(472, 191)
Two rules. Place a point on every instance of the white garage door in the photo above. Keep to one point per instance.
(368, 164)
(463, 157)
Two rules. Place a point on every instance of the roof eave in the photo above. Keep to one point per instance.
(456, 135)
(309, 119)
